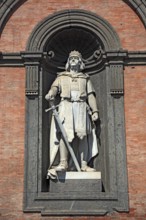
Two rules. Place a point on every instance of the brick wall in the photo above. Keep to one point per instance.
(126, 23)
(12, 85)
(12, 118)
(135, 115)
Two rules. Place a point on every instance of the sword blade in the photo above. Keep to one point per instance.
(64, 136)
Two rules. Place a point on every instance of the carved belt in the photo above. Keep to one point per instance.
(74, 99)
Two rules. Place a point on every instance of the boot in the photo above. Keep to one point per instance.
(63, 165)
(86, 168)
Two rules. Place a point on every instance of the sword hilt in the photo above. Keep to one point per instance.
(52, 105)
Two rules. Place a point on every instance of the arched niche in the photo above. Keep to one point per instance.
(49, 45)
(68, 19)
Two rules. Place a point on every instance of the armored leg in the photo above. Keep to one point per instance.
(84, 156)
(63, 165)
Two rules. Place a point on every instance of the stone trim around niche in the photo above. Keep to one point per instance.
(114, 196)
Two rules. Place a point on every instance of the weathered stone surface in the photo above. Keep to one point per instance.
(77, 181)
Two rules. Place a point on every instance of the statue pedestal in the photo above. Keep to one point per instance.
(77, 181)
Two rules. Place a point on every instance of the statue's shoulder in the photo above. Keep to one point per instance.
(84, 75)
(78, 75)
(64, 73)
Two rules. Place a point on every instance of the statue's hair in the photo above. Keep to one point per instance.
(82, 65)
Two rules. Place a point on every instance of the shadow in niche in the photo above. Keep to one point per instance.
(103, 188)
(61, 44)
(45, 127)
(93, 161)
(98, 130)
(75, 38)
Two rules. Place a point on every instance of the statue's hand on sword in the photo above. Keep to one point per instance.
(50, 97)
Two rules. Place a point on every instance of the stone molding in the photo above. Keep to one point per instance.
(69, 19)
(116, 60)
(139, 6)
(7, 8)
(21, 59)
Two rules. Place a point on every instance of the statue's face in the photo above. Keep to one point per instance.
(74, 61)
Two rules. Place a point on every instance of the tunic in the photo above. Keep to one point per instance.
(74, 112)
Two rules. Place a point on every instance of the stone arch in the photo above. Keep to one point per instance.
(139, 7)
(9, 7)
(70, 19)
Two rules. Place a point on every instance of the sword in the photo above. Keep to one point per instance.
(64, 134)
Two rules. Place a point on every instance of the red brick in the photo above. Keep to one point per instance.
(128, 25)
(12, 101)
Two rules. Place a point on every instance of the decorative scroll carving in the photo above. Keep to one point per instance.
(94, 63)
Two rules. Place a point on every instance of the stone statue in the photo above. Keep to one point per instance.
(77, 110)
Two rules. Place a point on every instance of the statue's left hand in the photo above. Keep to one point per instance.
(95, 116)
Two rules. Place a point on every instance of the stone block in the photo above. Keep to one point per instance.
(76, 181)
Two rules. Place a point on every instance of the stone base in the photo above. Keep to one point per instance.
(76, 181)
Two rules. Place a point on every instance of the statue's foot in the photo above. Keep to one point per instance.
(87, 169)
(51, 174)
(62, 166)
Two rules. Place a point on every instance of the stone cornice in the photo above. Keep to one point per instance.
(21, 59)
(128, 58)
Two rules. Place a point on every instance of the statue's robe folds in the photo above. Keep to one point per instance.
(75, 115)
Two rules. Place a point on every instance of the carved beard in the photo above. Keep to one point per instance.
(75, 68)
(81, 66)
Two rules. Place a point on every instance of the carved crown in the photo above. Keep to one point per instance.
(75, 53)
